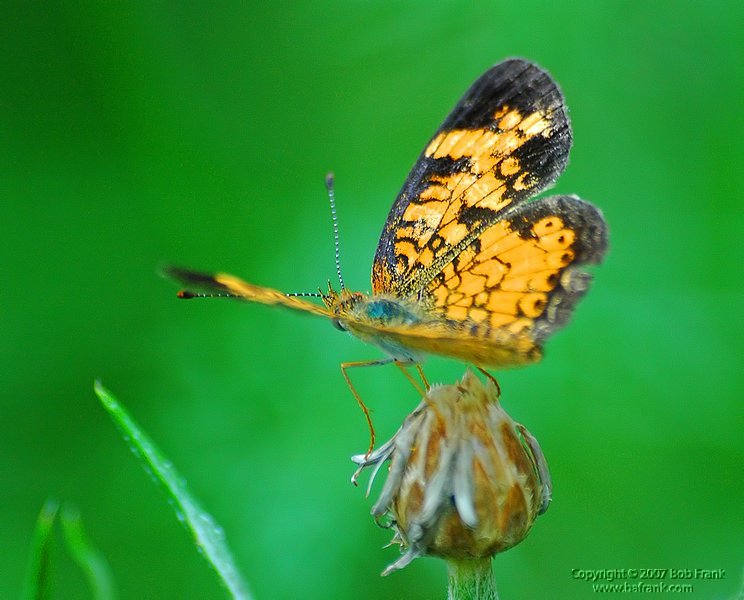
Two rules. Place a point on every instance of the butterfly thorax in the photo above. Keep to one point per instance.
(354, 311)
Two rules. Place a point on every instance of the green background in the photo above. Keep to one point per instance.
(139, 135)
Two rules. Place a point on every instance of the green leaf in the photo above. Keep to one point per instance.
(207, 534)
(37, 585)
(88, 558)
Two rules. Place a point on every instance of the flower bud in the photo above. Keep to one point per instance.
(464, 481)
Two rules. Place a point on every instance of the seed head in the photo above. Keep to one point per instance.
(464, 480)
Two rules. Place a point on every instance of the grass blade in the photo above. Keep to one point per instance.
(37, 585)
(207, 535)
(88, 558)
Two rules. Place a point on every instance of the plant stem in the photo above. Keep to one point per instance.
(471, 579)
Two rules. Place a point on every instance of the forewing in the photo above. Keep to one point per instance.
(229, 285)
(506, 139)
(523, 274)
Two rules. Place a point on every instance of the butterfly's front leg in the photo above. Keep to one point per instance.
(365, 410)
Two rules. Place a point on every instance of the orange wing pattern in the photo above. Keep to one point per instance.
(462, 237)
(507, 139)
(520, 275)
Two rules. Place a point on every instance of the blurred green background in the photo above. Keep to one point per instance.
(199, 134)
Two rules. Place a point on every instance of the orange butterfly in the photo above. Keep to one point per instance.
(467, 266)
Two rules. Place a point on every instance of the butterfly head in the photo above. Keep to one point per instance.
(340, 303)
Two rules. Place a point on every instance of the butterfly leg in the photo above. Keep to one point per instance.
(365, 410)
(424, 393)
(412, 381)
(492, 378)
(423, 377)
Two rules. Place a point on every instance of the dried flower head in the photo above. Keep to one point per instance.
(464, 481)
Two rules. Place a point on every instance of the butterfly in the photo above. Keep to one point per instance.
(468, 266)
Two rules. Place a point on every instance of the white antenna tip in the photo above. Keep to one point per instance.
(331, 200)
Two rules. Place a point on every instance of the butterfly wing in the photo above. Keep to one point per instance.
(523, 274)
(506, 292)
(507, 139)
(231, 286)
(497, 274)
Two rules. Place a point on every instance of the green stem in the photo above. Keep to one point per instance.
(471, 579)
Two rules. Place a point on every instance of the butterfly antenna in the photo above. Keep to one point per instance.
(332, 200)
(305, 294)
(187, 295)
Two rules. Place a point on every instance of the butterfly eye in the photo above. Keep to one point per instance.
(337, 324)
